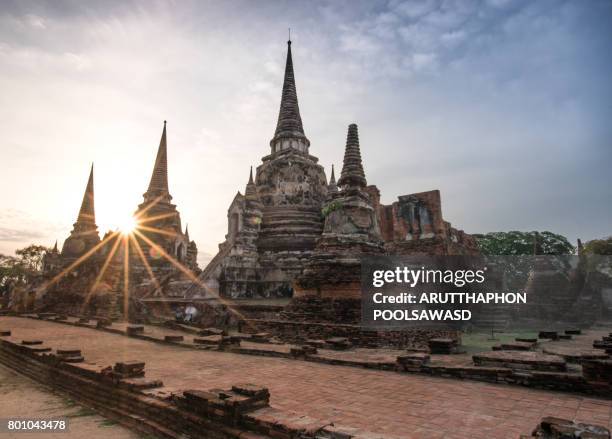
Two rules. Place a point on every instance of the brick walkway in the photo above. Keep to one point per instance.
(411, 406)
(20, 397)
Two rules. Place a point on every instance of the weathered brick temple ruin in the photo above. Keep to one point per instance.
(292, 234)
(295, 234)
(280, 307)
(90, 272)
(290, 217)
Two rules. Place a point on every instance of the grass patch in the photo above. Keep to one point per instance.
(83, 411)
(107, 423)
(475, 342)
(69, 402)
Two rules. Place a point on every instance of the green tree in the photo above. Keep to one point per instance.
(31, 257)
(522, 243)
(20, 269)
(11, 270)
(599, 246)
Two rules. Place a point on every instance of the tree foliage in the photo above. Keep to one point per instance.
(31, 257)
(9, 269)
(522, 243)
(599, 246)
(21, 268)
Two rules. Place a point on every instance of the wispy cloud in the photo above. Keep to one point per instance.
(501, 104)
(18, 229)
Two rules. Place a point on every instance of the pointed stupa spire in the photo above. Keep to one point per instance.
(54, 249)
(250, 187)
(352, 169)
(187, 231)
(87, 212)
(158, 186)
(289, 130)
(84, 234)
(332, 186)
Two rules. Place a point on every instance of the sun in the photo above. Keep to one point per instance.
(128, 225)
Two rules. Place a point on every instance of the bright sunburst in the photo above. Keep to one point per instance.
(128, 225)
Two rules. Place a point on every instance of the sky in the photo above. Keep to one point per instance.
(502, 105)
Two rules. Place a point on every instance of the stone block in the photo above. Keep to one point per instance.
(443, 346)
(248, 389)
(549, 335)
(597, 370)
(522, 360)
(174, 338)
(71, 358)
(309, 350)
(557, 428)
(297, 352)
(129, 369)
(211, 331)
(573, 331)
(261, 337)
(338, 343)
(316, 343)
(135, 329)
(420, 357)
(593, 355)
(230, 340)
(38, 348)
(140, 383)
(103, 323)
(200, 398)
(526, 340)
(412, 362)
(46, 315)
(208, 340)
(600, 344)
(68, 352)
(517, 346)
(302, 351)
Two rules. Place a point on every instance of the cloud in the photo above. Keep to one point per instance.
(19, 235)
(415, 8)
(483, 100)
(422, 61)
(19, 228)
(79, 62)
(35, 21)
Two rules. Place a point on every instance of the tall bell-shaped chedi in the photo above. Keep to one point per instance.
(159, 220)
(351, 230)
(84, 235)
(289, 132)
(290, 188)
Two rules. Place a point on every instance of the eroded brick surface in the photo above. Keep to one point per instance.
(21, 397)
(384, 402)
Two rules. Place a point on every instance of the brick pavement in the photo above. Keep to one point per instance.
(411, 406)
(21, 397)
